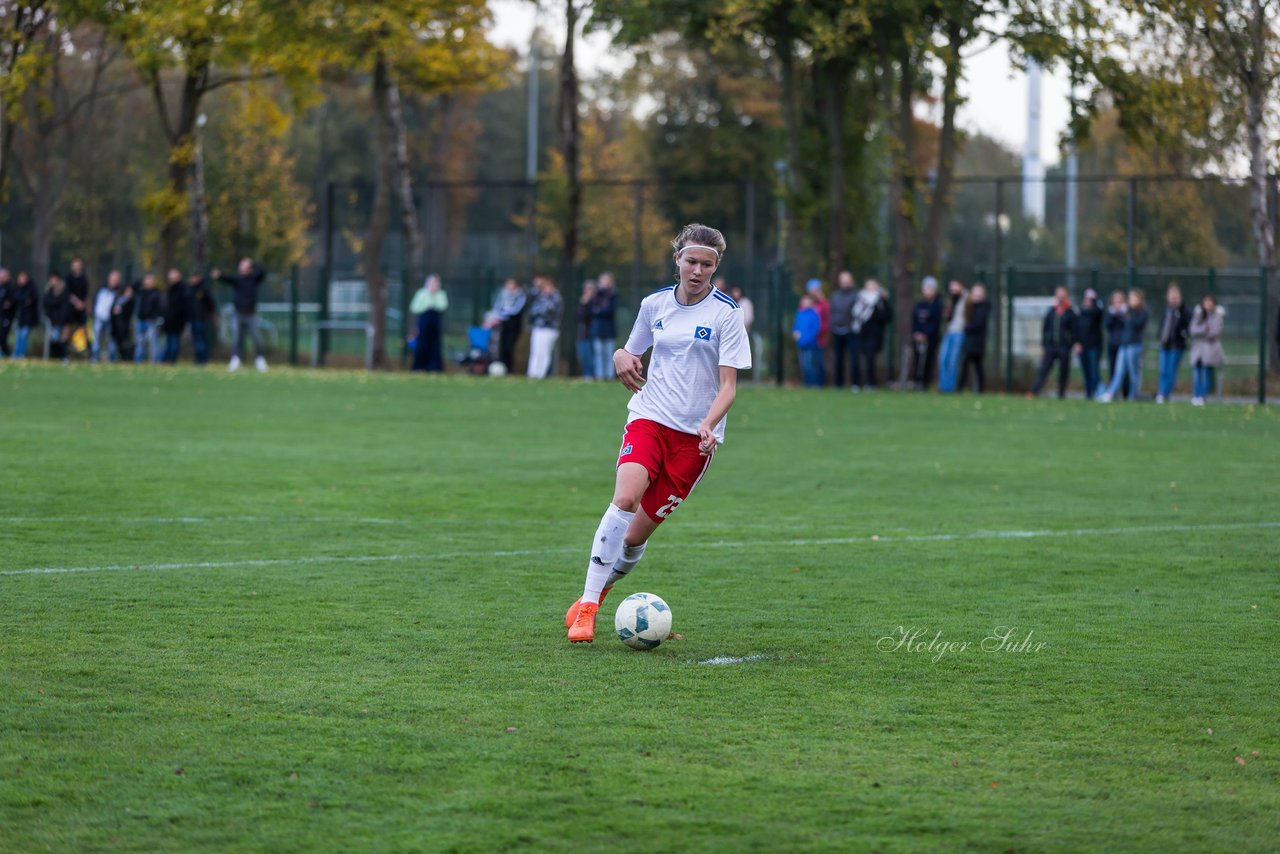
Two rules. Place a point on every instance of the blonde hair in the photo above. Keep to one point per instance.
(696, 234)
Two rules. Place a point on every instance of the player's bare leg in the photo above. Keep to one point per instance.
(606, 547)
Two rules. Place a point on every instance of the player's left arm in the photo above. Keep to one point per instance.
(719, 408)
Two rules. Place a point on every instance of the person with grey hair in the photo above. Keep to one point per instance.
(926, 333)
(845, 343)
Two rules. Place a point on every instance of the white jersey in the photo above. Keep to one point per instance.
(690, 344)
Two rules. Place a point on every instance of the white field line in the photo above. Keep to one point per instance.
(865, 539)
(729, 659)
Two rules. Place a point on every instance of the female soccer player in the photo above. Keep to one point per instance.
(676, 416)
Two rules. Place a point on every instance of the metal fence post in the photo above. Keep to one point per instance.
(1010, 287)
(775, 301)
(1262, 335)
(293, 315)
(404, 316)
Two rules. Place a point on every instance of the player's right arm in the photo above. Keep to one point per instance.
(626, 360)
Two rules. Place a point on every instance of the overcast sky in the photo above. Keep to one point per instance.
(996, 92)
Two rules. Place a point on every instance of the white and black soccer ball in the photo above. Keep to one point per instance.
(497, 369)
(643, 621)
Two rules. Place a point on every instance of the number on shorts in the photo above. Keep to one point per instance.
(666, 509)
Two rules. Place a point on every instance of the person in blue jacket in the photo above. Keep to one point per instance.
(806, 332)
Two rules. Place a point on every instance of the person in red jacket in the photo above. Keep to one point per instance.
(823, 307)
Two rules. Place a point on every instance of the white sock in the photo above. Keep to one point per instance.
(626, 562)
(606, 548)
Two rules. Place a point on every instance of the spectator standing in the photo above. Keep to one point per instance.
(546, 310)
(1059, 338)
(1173, 341)
(78, 298)
(57, 310)
(823, 306)
(104, 302)
(150, 319)
(122, 321)
(844, 344)
(175, 315)
(953, 343)
(429, 305)
(926, 332)
(977, 311)
(1129, 359)
(586, 355)
(201, 312)
(509, 311)
(748, 307)
(604, 330)
(871, 314)
(1089, 329)
(1206, 347)
(1117, 312)
(806, 331)
(8, 312)
(26, 299)
(245, 284)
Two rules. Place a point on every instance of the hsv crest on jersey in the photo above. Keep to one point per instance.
(702, 333)
(626, 450)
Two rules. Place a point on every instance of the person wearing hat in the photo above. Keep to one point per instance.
(823, 307)
(1089, 327)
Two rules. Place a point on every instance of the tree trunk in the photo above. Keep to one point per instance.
(940, 204)
(833, 76)
(180, 136)
(792, 238)
(402, 181)
(381, 215)
(904, 209)
(43, 215)
(569, 144)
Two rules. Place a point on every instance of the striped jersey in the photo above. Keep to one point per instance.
(690, 344)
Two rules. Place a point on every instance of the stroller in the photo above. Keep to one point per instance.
(478, 356)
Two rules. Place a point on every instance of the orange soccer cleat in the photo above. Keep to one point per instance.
(583, 629)
(572, 613)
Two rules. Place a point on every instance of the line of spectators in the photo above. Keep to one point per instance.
(122, 321)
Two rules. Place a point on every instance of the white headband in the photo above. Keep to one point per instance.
(698, 246)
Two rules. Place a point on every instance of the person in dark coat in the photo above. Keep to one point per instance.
(57, 310)
(871, 315)
(175, 315)
(1129, 361)
(844, 345)
(150, 317)
(1113, 322)
(26, 299)
(8, 312)
(1174, 331)
(604, 329)
(122, 321)
(78, 299)
(926, 333)
(977, 313)
(202, 315)
(1089, 330)
(244, 286)
(1059, 337)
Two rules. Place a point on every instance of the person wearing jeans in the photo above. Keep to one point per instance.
(604, 330)
(1206, 347)
(1173, 341)
(1129, 355)
(586, 355)
(953, 342)
(806, 332)
(104, 302)
(202, 314)
(245, 285)
(150, 318)
(1090, 329)
(26, 299)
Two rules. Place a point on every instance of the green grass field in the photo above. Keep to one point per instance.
(323, 611)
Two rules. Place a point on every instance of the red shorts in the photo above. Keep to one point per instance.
(672, 460)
